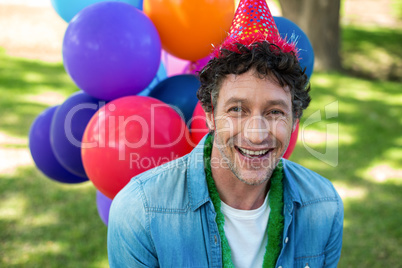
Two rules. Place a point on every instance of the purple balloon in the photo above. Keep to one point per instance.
(103, 204)
(111, 50)
(67, 128)
(42, 153)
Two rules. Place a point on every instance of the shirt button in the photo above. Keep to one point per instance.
(286, 239)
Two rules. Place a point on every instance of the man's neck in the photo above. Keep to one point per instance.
(234, 192)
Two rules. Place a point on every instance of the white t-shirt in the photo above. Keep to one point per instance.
(247, 234)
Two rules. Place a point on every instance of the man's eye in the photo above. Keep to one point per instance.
(235, 109)
(277, 112)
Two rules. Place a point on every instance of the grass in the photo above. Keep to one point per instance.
(372, 52)
(47, 224)
(368, 174)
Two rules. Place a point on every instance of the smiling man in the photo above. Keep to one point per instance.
(234, 201)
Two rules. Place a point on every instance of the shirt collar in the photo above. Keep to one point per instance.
(290, 188)
(197, 185)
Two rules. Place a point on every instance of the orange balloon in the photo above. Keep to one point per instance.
(188, 28)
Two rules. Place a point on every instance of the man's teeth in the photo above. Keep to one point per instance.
(245, 151)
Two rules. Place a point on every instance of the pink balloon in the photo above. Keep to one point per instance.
(173, 65)
(195, 67)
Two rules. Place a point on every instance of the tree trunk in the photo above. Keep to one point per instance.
(319, 19)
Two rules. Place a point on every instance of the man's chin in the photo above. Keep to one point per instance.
(254, 178)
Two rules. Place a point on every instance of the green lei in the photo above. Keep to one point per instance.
(275, 222)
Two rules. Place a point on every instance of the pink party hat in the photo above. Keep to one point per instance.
(252, 23)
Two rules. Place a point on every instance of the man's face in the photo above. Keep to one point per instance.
(253, 125)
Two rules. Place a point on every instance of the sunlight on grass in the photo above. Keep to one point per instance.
(12, 207)
(50, 98)
(350, 192)
(34, 77)
(23, 253)
(383, 173)
(44, 219)
(7, 140)
(14, 158)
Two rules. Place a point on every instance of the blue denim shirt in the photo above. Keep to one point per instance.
(165, 217)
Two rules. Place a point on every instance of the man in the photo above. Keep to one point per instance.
(233, 201)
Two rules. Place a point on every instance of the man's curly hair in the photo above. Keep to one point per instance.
(268, 60)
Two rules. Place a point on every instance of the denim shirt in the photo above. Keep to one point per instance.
(165, 218)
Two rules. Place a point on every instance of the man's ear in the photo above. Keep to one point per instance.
(210, 120)
(295, 124)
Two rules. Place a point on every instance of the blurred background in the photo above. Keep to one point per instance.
(357, 144)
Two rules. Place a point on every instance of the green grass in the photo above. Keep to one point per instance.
(368, 173)
(372, 52)
(47, 224)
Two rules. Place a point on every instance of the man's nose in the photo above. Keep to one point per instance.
(256, 129)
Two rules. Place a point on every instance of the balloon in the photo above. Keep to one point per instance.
(67, 128)
(111, 50)
(287, 29)
(292, 142)
(159, 77)
(199, 129)
(188, 27)
(41, 150)
(198, 124)
(67, 9)
(174, 66)
(128, 136)
(179, 91)
(196, 67)
(103, 204)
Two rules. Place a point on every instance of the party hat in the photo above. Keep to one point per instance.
(252, 23)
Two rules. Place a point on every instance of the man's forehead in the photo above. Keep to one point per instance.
(243, 84)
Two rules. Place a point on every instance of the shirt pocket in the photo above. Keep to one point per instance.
(310, 261)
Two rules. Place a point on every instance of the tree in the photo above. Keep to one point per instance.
(319, 19)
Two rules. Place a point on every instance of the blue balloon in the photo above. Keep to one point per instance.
(42, 153)
(290, 30)
(111, 50)
(179, 91)
(159, 77)
(67, 128)
(103, 204)
(67, 9)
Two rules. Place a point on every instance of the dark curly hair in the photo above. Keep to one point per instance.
(267, 59)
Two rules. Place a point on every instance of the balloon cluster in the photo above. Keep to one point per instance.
(137, 75)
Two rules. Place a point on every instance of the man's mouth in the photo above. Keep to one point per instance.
(253, 153)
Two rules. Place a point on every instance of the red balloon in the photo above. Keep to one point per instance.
(128, 136)
(292, 143)
(199, 129)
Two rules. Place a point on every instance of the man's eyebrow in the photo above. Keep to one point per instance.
(236, 100)
(277, 102)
